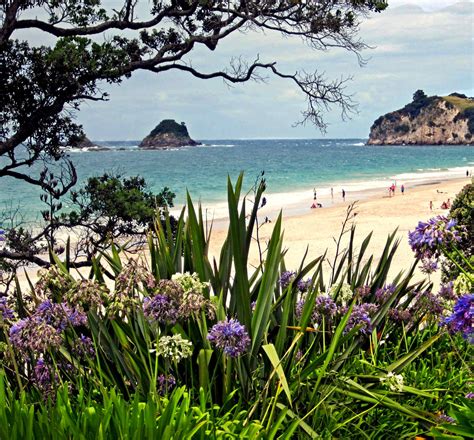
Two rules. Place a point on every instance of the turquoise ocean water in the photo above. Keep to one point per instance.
(292, 168)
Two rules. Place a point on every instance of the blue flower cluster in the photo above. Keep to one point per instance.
(230, 336)
(361, 317)
(383, 293)
(5, 311)
(462, 319)
(161, 308)
(428, 237)
(43, 330)
(288, 277)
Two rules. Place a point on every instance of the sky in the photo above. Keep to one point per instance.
(422, 44)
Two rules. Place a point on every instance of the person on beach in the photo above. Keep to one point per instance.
(314, 193)
(467, 173)
(343, 195)
(332, 193)
(313, 206)
(402, 189)
(431, 205)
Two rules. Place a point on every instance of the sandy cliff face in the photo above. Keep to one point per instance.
(438, 122)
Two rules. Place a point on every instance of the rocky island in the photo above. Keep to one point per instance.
(427, 120)
(85, 144)
(168, 134)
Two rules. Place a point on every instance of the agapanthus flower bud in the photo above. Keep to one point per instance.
(175, 348)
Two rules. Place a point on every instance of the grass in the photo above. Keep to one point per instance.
(461, 103)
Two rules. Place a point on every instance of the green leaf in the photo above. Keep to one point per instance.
(276, 363)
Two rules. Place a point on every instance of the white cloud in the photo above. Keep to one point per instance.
(427, 45)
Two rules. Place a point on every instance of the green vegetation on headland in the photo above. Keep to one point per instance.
(176, 346)
(427, 120)
(170, 126)
(462, 102)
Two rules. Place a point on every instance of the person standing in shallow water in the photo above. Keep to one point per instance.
(402, 189)
(343, 195)
(314, 194)
(332, 193)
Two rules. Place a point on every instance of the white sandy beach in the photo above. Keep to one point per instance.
(316, 229)
(376, 212)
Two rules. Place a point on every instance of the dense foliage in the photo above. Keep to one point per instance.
(182, 346)
(170, 126)
(462, 211)
(419, 102)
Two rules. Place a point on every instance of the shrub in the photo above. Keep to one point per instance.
(462, 210)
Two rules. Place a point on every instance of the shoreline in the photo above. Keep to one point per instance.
(297, 203)
(377, 213)
(315, 228)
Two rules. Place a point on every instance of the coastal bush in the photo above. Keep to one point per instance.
(170, 126)
(419, 102)
(301, 353)
(402, 128)
(107, 207)
(112, 207)
(462, 211)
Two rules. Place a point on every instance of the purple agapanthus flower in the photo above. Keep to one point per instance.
(446, 291)
(383, 293)
(398, 315)
(361, 317)
(5, 311)
(324, 307)
(59, 316)
(286, 278)
(230, 336)
(83, 347)
(428, 237)
(429, 265)
(427, 302)
(462, 318)
(303, 285)
(42, 375)
(444, 418)
(161, 308)
(363, 291)
(30, 335)
(469, 396)
(165, 383)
